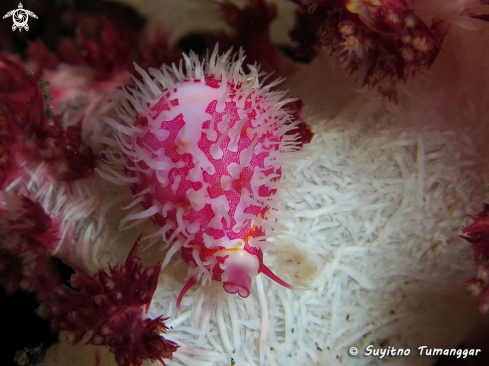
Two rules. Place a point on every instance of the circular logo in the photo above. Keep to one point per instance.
(353, 351)
(20, 18)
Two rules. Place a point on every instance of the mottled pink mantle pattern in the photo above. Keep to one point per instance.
(203, 156)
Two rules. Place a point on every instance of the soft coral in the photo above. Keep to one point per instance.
(109, 308)
(383, 41)
(251, 31)
(30, 132)
(28, 237)
(478, 235)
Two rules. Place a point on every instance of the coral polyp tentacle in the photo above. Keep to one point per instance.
(202, 148)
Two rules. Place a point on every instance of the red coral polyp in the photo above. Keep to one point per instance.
(34, 224)
(383, 41)
(250, 27)
(29, 235)
(137, 340)
(30, 132)
(110, 308)
(202, 151)
(477, 234)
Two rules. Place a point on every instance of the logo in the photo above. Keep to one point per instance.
(20, 17)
